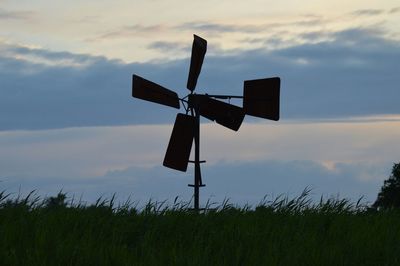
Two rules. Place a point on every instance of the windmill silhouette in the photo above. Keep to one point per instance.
(260, 98)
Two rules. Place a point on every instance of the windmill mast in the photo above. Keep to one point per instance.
(197, 171)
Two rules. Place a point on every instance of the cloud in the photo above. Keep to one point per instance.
(354, 73)
(139, 30)
(250, 181)
(171, 47)
(394, 10)
(351, 159)
(219, 28)
(15, 15)
(368, 12)
(130, 31)
(208, 28)
(242, 183)
(54, 95)
(316, 35)
(45, 57)
(261, 158)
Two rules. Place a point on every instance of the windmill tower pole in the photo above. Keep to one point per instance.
(195, 112)
(197, 172)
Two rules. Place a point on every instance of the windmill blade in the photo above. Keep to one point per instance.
(225, 114)
(199, 49)
(150, 91)
(180, 143)
(261, 98)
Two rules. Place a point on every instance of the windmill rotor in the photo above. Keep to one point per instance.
(260, 99)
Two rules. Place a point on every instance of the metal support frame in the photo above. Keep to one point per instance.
(218, 96)
(197, 171)
(194, 108)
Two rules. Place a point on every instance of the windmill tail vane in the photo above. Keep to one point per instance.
(260, 98)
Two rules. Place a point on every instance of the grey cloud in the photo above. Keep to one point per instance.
(253, 180)
(197, 26)
(169, 46)
(355, 74)
(312, 16)
(307, 22)
(314, 35)
(246, 182)
(54, 56)
(253, 40)
(36, 96)
(129, 31)
(217, 28)
(15, 15)
(368, 12)
(209, 28)
(394, 10)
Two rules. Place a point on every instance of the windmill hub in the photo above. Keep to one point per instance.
(260, 98)
(194, 100)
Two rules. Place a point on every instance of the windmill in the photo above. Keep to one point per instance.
(260, 99)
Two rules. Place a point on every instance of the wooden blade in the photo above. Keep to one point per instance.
(199, 49)
(150, 91)
(180, 143)
(261, 98)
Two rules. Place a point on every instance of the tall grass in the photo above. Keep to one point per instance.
(280, 231)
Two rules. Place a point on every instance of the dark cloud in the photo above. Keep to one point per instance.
(37, 96)
(354, 74)
(240, 182)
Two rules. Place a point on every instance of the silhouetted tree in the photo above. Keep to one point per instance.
(389, 196)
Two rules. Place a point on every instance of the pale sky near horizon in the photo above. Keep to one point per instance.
(67, 119)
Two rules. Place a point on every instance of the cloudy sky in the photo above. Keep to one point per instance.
(68, 121)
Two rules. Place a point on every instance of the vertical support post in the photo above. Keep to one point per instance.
(197, 172)
(195, 112)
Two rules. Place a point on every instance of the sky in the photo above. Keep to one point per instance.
(68, 121)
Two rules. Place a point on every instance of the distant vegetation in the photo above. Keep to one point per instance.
(282, 231)
(389, 196)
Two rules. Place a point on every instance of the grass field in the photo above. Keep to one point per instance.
(54, 231)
